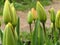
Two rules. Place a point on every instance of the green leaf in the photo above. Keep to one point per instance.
(40, 36)
(35, 34)
(18, 27)
(1, 34)
(18, 32)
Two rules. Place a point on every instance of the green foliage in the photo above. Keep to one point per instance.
(1, 2)
(25, 36)
(19, 6)
(45, 3)
(35, 34)
(28, 4)
(22, 7)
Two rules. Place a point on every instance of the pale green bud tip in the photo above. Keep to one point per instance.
(7, 1)
(39, 4)
(58, 14)
(9, 25)
(51, 10)
(12, 5)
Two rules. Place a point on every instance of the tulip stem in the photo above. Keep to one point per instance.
(52, 36)
(54, 26)
(34, 21)
(1, 35)
(30, 28)
(44, 28)
(59, 33)
(53, 30)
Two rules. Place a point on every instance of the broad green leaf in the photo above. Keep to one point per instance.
(40, 36)
(35, 34)
(18, 27)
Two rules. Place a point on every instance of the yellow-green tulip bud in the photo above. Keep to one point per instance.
(52, 15)
(8, 37)
(34, 13)
(41, 12)
(29, 17)
(58, 19)
(7, 12)
(14, 15)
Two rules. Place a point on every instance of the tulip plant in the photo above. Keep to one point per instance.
(40, 35)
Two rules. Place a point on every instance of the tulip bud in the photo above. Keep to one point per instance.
(29, 17)
(41, 12)
(52, 15)
(14, 15)
(8, 37)
(58, 19)
(34, 13)
(7, 12)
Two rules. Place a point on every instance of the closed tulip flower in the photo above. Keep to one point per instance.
(58, 19)
(41, 12)
(41, 15)
(52, 15)
(34, 13)
(8, 37)
(29, 17)
(7, 12)
(14, 15)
